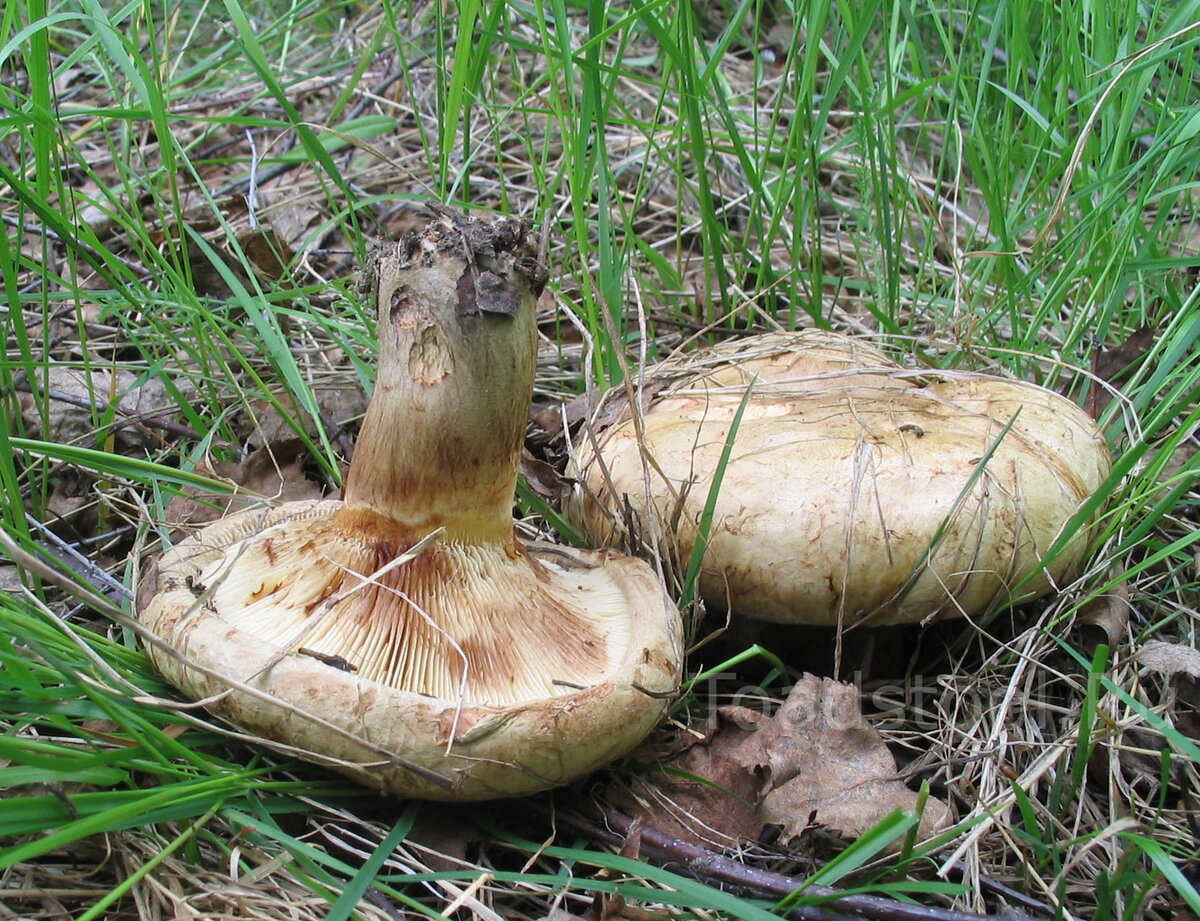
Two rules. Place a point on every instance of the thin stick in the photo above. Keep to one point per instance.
(711, 867)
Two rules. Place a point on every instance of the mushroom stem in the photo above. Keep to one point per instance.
(441, 441)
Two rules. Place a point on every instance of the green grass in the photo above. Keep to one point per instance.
(1001, 185)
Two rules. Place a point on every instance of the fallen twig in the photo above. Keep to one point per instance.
(713, 868)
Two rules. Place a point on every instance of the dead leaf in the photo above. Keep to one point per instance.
(10, 578)
(556, 419)
(83, 400)
(1169, 659)
(1104, 619)
(1181, 664)
(707, 794)
(559, 417)
(829, 765)
(541, 477)
(1114, 363)
(445, 834)
(1181, 459)
(817, 761)
(612, 906)
(273, 472)
(262, 423)
(267, 252)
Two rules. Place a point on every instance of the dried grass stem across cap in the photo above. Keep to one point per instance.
(403, 635)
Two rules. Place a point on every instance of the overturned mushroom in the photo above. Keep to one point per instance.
(403, 635)
(855, 491)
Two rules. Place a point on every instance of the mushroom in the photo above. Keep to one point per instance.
(403, 635)
(855, 491)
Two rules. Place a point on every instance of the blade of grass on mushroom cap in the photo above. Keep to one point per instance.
(704, 525)
(977, 473)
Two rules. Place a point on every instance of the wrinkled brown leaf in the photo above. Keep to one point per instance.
(10, 578)
(445, 834)
(1181, 664)
(1114, 363)
(707, 794)
(828, 764)
(80, 400)
(293, 224)
(1104, 619)
(268, 253)
(263, 424)
(273, 472)
(558, 914)
(1169, 659)
(555, 419)
(816, 762)
(614, 907)
(542, 478)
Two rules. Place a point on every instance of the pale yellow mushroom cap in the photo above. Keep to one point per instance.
(856, 491)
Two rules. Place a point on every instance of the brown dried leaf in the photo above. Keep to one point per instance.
(445, 834)
(614, 907)
(293, 224)
(263, 424)
(1104, 619)
(1111, 363)
(542, 478)
(1181, 664)
(1114, 363)
(554, 420)
(827, 763)
(272, 472)
(1169, 659)
(81, 398)
(268, 253)
(707, 794)
(10, 578)
(816, 761)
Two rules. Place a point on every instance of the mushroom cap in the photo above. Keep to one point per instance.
(856, 491)
(460, 672)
